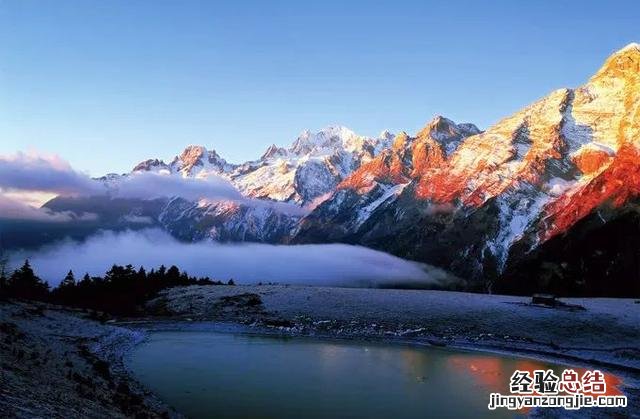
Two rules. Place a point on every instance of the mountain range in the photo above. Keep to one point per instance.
(547, 199)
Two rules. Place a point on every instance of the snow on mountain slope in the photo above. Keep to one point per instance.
(312, 166)
(194, 161)
(297, 176)
(527, 179)
(226, 221)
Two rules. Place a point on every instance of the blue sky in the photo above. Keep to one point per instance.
(105, 84)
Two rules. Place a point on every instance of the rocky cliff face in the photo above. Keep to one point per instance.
(478, 202)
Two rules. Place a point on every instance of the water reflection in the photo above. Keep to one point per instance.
(493, 374)
(235, 376)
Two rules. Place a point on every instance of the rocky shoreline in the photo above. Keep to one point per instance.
(60, 362)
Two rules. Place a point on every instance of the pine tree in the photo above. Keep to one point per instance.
(86, 280)
(3, 283)
(173, 275)
(3, 272)
(68, 281)
(24, 283)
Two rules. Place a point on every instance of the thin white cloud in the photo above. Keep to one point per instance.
(150, 185)
(35, 199)
(11, 209)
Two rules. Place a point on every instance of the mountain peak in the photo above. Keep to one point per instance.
(192, 151)
(442, 124)
(337, 131)
(198, 156)
(386, 135)
(447, 133)
(439, 119)
(438, 124)
(308, 141)
(150, 165)
(630, 48)
(401, 141)
(273, 151)
(624, 63)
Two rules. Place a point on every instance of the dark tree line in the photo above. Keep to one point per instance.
(23, 283)
(122, 290)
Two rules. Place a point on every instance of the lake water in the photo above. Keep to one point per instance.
(205, 374)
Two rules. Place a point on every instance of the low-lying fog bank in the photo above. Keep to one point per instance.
(246, 263)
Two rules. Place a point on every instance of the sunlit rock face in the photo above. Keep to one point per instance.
(409, 157)
(490, 198)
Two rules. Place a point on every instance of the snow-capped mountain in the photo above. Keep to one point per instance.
(298, 176)
(227, 221)
(478, 204)
(544, 199)
(312, 166)
(194, 161)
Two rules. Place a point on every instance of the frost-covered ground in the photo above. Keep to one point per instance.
(58, 363)
(606, 331)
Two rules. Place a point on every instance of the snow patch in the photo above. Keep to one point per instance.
(516, 213)
(389, 191)
(558, 186)
(575, 134)
(634, 46)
